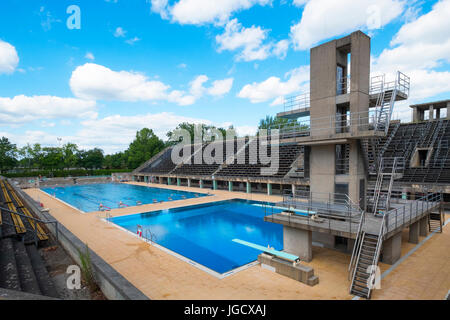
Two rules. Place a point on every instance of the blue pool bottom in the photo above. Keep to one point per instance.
(204, 233)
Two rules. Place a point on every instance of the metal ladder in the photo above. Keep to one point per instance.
(385, 103)
(398, 165)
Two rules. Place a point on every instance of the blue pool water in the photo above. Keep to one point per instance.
(87, 198)
(204, 233)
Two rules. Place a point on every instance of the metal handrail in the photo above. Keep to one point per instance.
(340, 123)
(297, 102)
(395, 215)
(357, 245)
(377, 251)
(36, 220)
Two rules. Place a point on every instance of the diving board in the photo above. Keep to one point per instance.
(302, 212)
(280, 254)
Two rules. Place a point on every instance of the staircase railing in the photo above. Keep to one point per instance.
(376, 256)
(357, 259)
(35, 231)
(356, 248)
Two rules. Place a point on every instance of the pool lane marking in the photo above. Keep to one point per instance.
(395, 265)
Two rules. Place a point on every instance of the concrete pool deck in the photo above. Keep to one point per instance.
(159, 275)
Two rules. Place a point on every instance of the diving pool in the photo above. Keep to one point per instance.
(203, 233)
(88, 197)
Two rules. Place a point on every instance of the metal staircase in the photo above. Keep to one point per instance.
(387, 95)
(435, 222)
(362, 273)
(364, 261)
(389, 170)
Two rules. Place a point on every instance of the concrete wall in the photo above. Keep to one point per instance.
(392, 249)
(298, 242)
(298, 272)
(322, 168)
(113, 285)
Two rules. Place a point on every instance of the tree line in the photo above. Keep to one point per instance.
(145, 145)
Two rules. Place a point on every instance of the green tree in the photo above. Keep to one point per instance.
(117, 160)
(91, 159)
(273, 122)
(70, 157)
(8, 154)
(144, 146)
(207, 133)
(52, 158)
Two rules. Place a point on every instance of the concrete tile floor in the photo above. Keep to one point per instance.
(159, 275)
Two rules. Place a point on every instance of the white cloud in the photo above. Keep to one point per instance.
(132, 41)
(96, 82)
(221, 87)
(119, 32)
(160, 7)
(218, 88)
(8, 57)
(281, 48)
(196, 85)
(112, 134)
(199, 12)
(250, 42)
(90, 56)
(297, 80)
(324, 19)
(21, 109)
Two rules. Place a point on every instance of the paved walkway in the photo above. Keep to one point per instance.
(160, 275)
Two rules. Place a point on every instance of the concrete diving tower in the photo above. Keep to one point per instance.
(344, 107)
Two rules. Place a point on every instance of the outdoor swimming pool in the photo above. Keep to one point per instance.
(203, 233)
(87, 198)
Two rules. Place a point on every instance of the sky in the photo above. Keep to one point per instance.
(93, 72)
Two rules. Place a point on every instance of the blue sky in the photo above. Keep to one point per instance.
(156, 63)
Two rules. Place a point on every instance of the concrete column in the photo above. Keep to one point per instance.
(431, 113)
(230, 186)
(438, 114)
(298, 242)
(423, 226)
(293, 189)
(249, 187)
(214, 184)
(178, 182)
(416, 115)
(414, 233)
(189, 182)
(169, 181)
(392, 249)
(269, 189)
(448, 110)
(201, 184)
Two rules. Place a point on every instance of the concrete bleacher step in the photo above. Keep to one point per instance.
(28, 280)
(9, 274)
(8, 229)
(45, 283)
